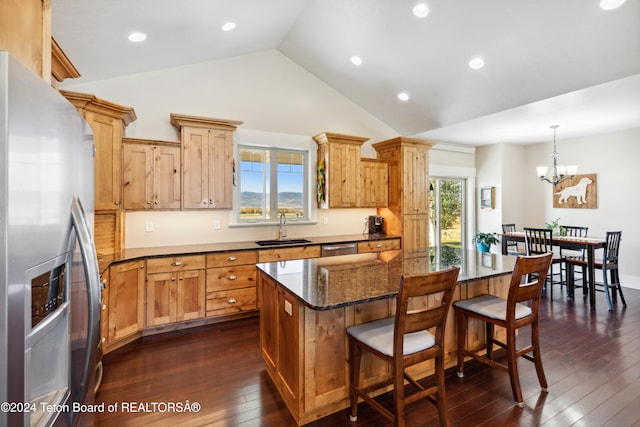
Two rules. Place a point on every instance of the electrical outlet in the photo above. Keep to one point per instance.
(149, 227)
(216, 225)
(325, 220)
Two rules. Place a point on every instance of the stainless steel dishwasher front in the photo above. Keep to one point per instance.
(339, 249)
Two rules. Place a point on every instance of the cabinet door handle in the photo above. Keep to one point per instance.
(232, 258)
(232, 301)
(177, 263)
(148, 202)
(104, 306)
(173, 279)
(379, 245)
(180, 278)
(232, 277)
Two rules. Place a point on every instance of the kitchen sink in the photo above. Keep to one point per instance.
(277, 242)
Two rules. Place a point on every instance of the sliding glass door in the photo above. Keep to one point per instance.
(446, 220)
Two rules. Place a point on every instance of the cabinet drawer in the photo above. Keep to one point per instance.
(232, 301)
(176, 263)
(379, 246)
(223, 278)
(225, 259)
(284, 254)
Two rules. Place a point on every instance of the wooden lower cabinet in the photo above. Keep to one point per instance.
(306, 351)
(104, 313)
(379, 246)
(175, 289)
(285, 254)
(231, 283)
(125, 293)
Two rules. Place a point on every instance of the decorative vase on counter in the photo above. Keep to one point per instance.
(482, 247)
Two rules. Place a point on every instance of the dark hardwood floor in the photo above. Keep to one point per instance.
(591, 359)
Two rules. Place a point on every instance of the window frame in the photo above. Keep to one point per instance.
(273, 184)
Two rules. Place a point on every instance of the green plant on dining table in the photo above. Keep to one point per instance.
(554, 225)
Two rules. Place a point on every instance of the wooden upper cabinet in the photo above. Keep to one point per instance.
(338, 170)
(25, 32)
(416, 177)
(374, 187)
(408, 208)
(151, 174)
(107, 120)
(207, 161)
(408, 160)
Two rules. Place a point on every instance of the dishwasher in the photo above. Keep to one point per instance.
(339, 249)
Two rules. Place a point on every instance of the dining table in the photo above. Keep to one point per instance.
(589, 244)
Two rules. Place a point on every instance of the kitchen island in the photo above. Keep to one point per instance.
(306, 306)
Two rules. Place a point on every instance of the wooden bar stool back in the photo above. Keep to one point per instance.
(518, 310)
(403, 341)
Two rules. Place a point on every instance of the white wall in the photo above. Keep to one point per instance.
(280, 103)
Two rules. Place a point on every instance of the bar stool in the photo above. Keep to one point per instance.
(511, 314)
(403, 341)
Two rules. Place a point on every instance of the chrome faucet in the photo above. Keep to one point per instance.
(283, 222)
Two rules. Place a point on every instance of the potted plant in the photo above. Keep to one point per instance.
(485, 240)
(554, 225)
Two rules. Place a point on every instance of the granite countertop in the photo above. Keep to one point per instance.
(327, 283)
(203, 248)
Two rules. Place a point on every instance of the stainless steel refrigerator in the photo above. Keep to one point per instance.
(49, 278)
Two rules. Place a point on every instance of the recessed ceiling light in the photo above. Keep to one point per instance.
(421, 10)
(356, 60)
(403, 96)
(228, 26)
(476, 63)
(137, 37)
(611, 4)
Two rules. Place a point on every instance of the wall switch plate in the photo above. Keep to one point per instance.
(216, 225)
(148, 227)
(326, 220)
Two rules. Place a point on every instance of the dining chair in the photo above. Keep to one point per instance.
(609, 267)
(540, 241)
(519, 309)
(512, 245)
(405, 340)
(573, 254)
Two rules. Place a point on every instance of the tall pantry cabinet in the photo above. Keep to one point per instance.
(408, 206)
(108, 122)
(207, 161)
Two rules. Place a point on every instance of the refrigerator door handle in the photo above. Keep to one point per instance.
(90, 261)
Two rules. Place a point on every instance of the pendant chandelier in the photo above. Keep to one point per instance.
(558, 172)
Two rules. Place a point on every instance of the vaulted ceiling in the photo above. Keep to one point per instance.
(547, 62)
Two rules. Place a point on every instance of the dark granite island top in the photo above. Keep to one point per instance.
(327, 283)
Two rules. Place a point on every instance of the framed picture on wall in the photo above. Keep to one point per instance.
(487, 197)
